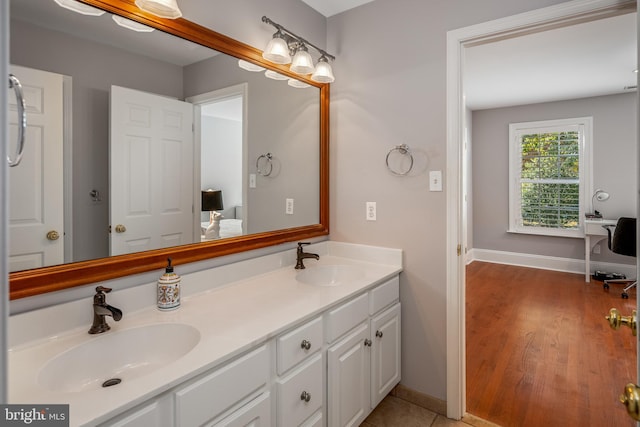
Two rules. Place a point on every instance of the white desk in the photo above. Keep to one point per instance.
(593, 233)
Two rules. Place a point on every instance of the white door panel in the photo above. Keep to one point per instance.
(152, 137)
(36, 197)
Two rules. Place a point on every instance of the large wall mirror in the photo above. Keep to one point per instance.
(129, 130)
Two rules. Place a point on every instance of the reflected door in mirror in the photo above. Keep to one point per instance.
(36, 199)
(152, 196)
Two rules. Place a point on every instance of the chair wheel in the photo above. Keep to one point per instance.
(605, 286)
(625, 295)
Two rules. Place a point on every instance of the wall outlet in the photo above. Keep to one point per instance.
(252, 180)
(371, 211)
(289, 207)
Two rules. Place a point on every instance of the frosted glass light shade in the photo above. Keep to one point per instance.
(78, 7)
(298, 84)
(277, 50)
(249, 66)
(131, 25)
(274, 75)
(302, 62)
(162, 8)
(323, 72)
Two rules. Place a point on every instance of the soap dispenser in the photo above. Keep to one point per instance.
(169, 289)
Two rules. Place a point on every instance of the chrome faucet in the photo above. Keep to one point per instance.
(300, 255)
(101, 309)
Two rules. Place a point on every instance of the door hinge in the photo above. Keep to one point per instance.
(459, 249)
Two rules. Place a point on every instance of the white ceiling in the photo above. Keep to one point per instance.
(583, 60)
(333, 7)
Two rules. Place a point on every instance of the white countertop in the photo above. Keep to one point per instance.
(231, 319)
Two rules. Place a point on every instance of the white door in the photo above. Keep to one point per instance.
(151, 142)
(348, 379)
(36, 197)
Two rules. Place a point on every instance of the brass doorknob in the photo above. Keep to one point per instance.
(53, 235)
(120, 228)
(615, 320)
(631, 399)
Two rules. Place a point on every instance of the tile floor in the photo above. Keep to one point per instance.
(395, 412)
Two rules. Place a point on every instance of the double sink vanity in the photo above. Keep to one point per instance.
(256, 342)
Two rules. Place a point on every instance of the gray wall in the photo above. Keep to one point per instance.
(391, 88)
(94, 68)
(614, 170)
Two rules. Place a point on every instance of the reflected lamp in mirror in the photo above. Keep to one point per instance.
(285, 44)
(601, 196)
(212, 202)
(81, 8)
(162, 8)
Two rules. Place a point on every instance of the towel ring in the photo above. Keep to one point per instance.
(14, 84)
(404, 150)
(268, 163)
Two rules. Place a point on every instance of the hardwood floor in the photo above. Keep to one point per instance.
(539, 351)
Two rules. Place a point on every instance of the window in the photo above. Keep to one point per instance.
(549, 170)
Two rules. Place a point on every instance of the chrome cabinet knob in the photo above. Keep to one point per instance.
(53, 235)
(367, 342)
(305, 396)
(305, 345)
(379, 334)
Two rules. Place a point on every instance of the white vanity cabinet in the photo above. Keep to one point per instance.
(363, 365)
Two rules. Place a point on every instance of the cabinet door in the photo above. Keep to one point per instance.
(348, 378)
(385, 353)
(158, 412)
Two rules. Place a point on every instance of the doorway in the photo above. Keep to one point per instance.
(458, 125)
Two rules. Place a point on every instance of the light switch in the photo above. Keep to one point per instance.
(289, 207)
(435, 181)
(252, 180)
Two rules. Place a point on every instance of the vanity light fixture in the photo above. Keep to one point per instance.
(78, 7)
(131, 25)
(284, 44)
(162, 8)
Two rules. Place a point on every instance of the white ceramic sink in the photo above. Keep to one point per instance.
(123, 355)
(329, 275)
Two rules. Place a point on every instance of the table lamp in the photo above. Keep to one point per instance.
(601, 196)
(212, 202)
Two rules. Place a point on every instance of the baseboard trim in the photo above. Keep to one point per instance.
(420, 399)
(569, 265)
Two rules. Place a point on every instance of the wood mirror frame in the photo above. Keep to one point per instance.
(48, 279)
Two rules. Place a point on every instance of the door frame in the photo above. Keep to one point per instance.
(241, 90)
(563, 14)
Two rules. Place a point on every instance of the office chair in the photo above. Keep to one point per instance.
(623, 242)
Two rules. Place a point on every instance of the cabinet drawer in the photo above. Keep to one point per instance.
(346, 317)
(256, 413)
(384, 295)
(314, 421)
(211, 395)
(295, 346)
(293, 408)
